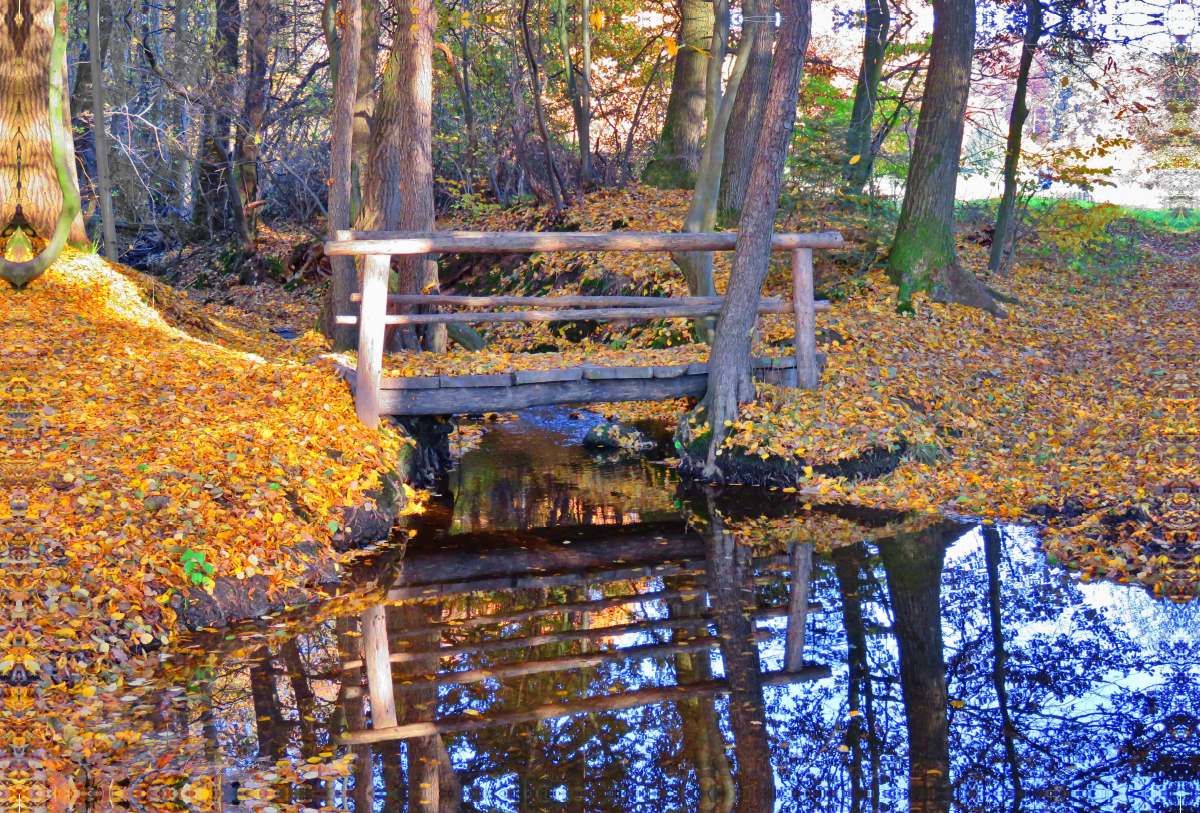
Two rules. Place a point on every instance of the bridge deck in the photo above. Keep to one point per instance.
(505, 392)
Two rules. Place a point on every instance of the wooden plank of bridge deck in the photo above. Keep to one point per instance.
(550, 711)
(506, 399)
(451, 242)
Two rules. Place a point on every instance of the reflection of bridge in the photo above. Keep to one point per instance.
(577, 557)
(450, 395)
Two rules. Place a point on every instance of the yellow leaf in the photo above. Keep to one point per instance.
(672, 48)
(855, 159)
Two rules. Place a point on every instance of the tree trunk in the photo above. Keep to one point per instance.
(536, 81)
(364, 103)
(866, 95)
(1016, 125)
(574, 95)
(923, 255)
(100, 131)
(210, 215)
(697, 267)
(914, 579)
(25, 122)
(260, 26)
(744, 124)
(676, 161)
(418, 274)
(729, 381)
(345, 274)
(587, 175)
(462, 83)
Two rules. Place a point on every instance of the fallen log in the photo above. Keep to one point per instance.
(461, 301)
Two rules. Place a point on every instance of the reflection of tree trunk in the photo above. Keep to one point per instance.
(688, 669)
(914, 577)
(432, 785)
(305, 699)
(733, 602)
(268, 720)
(847, 564)
(350, 710)
(991, 550)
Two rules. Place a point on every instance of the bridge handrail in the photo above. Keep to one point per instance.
(378, 247)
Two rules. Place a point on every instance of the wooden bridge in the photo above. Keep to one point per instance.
(375, 395)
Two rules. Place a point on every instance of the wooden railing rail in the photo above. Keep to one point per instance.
(378, 247)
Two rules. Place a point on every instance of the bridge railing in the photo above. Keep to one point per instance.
(379, 247)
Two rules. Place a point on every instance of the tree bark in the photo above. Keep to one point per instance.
(417, 274)
(260, 27)
(535, 80)
(364, 103)
(1016, 126)
(676, 161)
(866, 94)
(269, 724)
(345, 274)
(847, 566)
(100, 131)
(729, 381)
(25, 122)
(923, 255)
(742, 135)
(209, 215)
(574, 95)
(914, 579)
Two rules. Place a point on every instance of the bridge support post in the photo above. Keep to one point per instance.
(379, 666)
(372, 311)
(806, 319)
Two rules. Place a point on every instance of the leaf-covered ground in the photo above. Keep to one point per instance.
(143, 462)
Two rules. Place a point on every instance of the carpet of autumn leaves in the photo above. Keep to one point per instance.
(129, 443)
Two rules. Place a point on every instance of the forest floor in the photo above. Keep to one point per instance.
(1073, 408)
(151, 462)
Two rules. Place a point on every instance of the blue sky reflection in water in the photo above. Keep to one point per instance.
(1099, 681)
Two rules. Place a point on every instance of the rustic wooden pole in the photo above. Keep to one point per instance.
(551, 711)
(798, 606)
(806, 322)
(598, 314)
(451, 242)
(379, 667)
(373, 312)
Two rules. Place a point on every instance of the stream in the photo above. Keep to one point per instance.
(717, 650)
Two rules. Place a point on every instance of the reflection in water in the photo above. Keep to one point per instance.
(671, 661)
